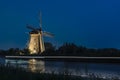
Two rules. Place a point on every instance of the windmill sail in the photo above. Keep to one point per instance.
(48, 34)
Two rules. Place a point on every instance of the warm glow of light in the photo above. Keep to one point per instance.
(36, 43)
(36, 65)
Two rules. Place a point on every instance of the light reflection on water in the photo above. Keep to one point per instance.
(74, 68)
(36, 66)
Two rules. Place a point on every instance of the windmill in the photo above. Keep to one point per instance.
(36, 41)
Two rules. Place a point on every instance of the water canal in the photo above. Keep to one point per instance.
(74, 68)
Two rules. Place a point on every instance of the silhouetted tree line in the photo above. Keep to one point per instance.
(70, 49)
(67, 49)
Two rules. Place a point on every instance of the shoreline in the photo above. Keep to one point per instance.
(70, 58)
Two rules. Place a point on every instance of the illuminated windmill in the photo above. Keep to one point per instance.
(36, 42)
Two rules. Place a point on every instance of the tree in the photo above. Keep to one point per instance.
(26, 51)
(49, 49)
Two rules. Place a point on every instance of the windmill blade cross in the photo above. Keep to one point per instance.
(48, 34)
(30, 27)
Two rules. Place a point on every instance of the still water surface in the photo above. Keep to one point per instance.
(74, 68)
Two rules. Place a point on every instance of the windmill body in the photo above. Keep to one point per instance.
(36, 42)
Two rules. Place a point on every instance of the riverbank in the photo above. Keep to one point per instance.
(70, 58)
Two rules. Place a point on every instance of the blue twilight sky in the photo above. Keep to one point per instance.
(91, 23)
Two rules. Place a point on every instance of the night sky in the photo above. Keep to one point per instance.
(91, 23)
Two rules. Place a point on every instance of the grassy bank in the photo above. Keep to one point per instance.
(16, 73)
